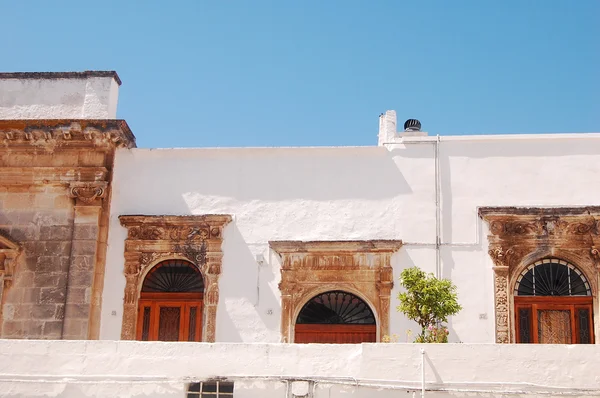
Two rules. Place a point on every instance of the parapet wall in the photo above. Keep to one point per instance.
(128, 369)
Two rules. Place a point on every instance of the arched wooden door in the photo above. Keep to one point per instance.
(336, 317)
(553, 304)
(170, 305)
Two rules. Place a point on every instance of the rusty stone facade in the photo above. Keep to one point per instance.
(520, 236)
(311, 268)
(152, 239)
(55, 180)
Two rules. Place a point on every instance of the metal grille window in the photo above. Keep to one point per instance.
(210, 389)
(336, 307)
(552, 277)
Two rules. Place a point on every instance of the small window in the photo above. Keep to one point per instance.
(210, 389)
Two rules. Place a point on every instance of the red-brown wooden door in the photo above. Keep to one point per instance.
(546, 320)
(335, 317)
(335, 334)
(170, 317)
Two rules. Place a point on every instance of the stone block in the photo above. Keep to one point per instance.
(43, 311)
(44, 201)
(8, 312)
(80, 279)
(65, 263)
(75, 329)
(17, 201)
(34, 249)
(12, 329)
(83, 263)
(60, 312)
(24, 279)
(84, 247)
(55, 232)
(90, 158)
(52, 295)
(85, 231)
(63, 202)
(78, 295)
(77, 311)
(58, 248)
(24, 233)
(31, 295)
(52, 279)
(52, 330)
(48, 264)
(32, 329)
(26, 217)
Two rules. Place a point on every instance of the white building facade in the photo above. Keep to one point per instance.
(427, 192)
(222, 262)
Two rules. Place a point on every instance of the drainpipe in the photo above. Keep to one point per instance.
(438, 222)
(422, 372)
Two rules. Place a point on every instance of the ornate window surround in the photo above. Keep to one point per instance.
(359, 267)
(152, 239)
(519, 237)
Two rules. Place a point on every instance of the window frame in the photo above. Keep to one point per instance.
(217, 393)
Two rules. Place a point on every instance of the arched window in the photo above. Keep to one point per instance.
(553, 304)
(335, 317)
(170, 305)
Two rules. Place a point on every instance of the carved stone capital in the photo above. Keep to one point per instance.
(87, 192)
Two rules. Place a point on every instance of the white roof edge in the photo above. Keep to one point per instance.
(407, 140)
(494, 137)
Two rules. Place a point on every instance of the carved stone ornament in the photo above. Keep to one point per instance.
(311, 268)
(152, 239)
(57, 133)
(520, 236)
(9, 251)
(87, 192)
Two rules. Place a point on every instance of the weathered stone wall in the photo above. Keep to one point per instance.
(54, 203)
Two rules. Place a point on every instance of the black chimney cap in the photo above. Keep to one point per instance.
(412, 125)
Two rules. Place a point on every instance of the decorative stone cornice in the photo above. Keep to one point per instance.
(335, 255)
(87, 192)
(175, 228)
(62, 133)
(538, 223)
(341, 246)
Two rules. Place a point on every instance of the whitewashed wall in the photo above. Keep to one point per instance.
(58, 98)
(348, 193)
(135, 369)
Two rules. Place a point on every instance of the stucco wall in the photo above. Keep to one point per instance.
(58, 98)
(129, 369)
(342, 194)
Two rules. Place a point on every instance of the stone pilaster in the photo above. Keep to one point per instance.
(84, 252)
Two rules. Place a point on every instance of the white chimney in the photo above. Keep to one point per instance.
(387, 127)
(59, 95)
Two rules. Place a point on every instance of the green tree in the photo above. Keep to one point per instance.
(429, 301)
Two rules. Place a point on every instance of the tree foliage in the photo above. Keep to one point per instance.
(429, 301)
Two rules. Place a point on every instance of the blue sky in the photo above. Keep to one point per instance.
(312, 72)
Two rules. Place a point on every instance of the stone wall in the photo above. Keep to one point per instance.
(54, 202)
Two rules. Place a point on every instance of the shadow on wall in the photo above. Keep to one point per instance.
(400, 325)
(264, 174)
(245, 296)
